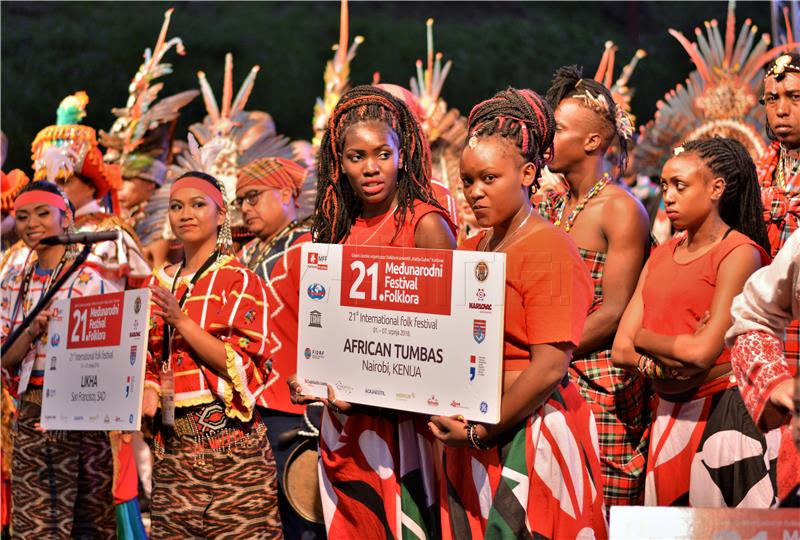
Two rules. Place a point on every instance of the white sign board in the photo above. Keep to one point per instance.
(411, 329)
(96, 352)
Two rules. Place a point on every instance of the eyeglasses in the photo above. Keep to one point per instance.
(251, 197)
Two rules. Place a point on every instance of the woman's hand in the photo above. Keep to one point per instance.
(150, 401)
(296, 394)
(337, 405)
(169, 309)
(452, 430)
(39, 325)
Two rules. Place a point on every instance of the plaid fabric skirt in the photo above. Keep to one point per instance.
(708, 452)
(61, 480)
(541, 481)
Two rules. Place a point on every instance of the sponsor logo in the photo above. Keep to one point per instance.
(312, 381)
(79, 418)
(135, 325)
(484, 407)
(315, 319)
(135, 334)
(56, 316)
(117, 419)
(130, 419)
(50, 392)
(472, 367)
(106, 419)
(479, 330)
(343, 388)
(55, 340)
(433, 402)
(315, 260)
(128, 383)
(403, 396)
(481, 271)
(316, 291)
(480, 294)
(374, 392)
(456, 404)
(313, 354)
(50, 417)
(137, 305)
(133, 354)
(480, 306)
(52, 363)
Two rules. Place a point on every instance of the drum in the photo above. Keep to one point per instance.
(301, 481)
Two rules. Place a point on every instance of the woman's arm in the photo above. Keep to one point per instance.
(210, 350)
(433, 232)
(701, 349)
(623, 352)
(28, 337)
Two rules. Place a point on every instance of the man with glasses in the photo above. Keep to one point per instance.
(267, 192)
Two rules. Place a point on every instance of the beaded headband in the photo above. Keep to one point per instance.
(623, 125)
(781, 65)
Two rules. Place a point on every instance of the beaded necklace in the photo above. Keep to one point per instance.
(266, 250)
(593, 192)
(787, 168)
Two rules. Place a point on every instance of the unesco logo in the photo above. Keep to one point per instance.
(316, 291)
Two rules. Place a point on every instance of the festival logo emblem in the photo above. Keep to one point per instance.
(316, 291)
(479, 330)
(315, 260)
(432, 401)
(315, 319)
(472, 370)
(137, 304)
(481, 271)
(133, 354)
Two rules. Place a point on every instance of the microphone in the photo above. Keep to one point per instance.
(79, 238)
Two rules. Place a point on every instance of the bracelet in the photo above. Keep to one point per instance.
(650, 368)
(473, 438)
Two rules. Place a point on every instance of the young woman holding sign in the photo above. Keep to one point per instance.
(214, 474)
(61, 479)
(537, 472)
(374, 189)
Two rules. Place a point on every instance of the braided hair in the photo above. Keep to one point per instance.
(523, 117)
(568, 82)
(337, 204)
(740, 206)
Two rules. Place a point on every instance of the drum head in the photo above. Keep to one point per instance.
(301, 481)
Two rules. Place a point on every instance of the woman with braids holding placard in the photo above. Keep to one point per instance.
(374, 189)
(536, 472)
(705, 450)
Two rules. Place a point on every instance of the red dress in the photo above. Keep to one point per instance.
(543, 478)
(705, 449)
(377, 466)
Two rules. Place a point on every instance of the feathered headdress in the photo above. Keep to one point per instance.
(620, 91)
(141, 137)
(719, 98)
(337, 77)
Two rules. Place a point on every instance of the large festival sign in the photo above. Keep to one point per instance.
(410, 329)
(94, 373)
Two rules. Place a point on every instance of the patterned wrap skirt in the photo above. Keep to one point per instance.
(708, 452)
(61, 480)
(377, 475)
(543, 479)
(214, 477)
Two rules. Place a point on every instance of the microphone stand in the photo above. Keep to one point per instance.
(44, 300)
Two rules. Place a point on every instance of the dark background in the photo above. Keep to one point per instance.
(50, 50)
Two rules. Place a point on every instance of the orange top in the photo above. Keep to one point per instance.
(676, 295)
(380, 230)
(548, 293)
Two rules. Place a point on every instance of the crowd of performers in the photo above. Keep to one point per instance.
(649, 346)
